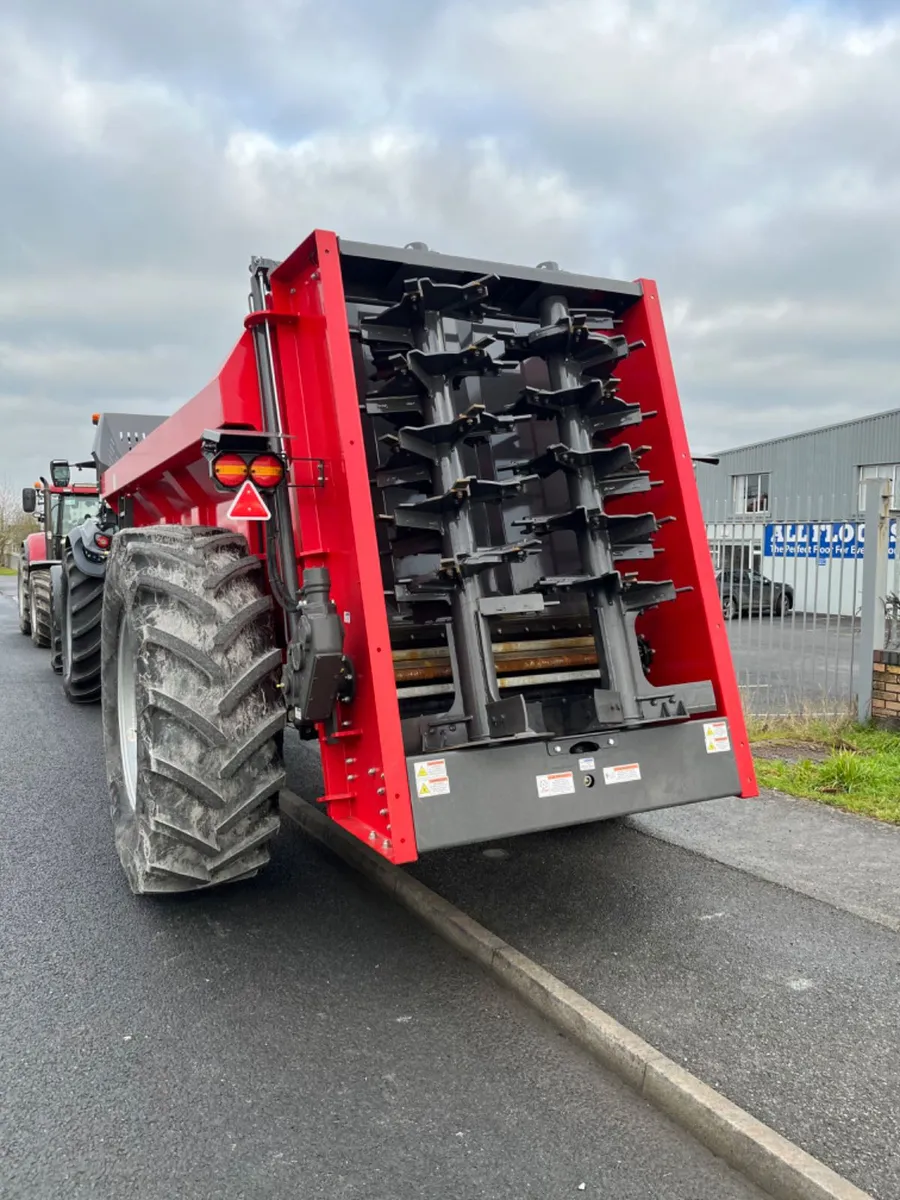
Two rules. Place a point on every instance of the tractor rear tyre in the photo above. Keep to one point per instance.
(81, 610)
(39, 605)
(191, 709)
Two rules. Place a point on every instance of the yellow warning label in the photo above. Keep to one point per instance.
(716, 736)
(432, 778)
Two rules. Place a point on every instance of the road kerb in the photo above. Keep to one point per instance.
(775, 1164)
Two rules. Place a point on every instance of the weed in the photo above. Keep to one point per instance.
(860, 771)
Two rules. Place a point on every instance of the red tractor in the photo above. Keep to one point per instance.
(59, 506)
(437, 515)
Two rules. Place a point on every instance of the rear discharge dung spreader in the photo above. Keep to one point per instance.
(438, 515)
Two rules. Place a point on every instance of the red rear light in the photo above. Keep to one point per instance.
(230, 470)
(266, 470)
(102, 540)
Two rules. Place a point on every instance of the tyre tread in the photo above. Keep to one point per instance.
(40, 623)
(82, 598)
(210, 713)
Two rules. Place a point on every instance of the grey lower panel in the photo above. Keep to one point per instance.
(490, 791)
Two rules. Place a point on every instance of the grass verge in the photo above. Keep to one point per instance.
(7, 570)
(848, 766)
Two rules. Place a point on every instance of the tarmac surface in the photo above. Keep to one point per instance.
(299, 1035)
(754, 942)
(787, 1005)
(295, 1036)
(848, 861)
(796, 663)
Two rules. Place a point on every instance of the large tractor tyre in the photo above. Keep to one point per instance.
(39, 607)
(56, 598)
(81, 611)
(24, 601)
(192, 714)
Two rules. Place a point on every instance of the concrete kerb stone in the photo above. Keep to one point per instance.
(775, 1164)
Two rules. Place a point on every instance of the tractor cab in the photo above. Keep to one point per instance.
(61, 505)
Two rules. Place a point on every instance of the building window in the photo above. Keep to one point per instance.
(729, 557)
(889, 471)
(751, 493)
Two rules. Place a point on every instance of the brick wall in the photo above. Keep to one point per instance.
(886, 688)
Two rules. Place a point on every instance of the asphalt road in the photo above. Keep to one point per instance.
(787, 1005)
(296, 1036)
(850, 862)
(801, 663)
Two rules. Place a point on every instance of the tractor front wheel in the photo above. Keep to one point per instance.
(24, 602)
(56, 599)
(191, 709)
(80, 611)
(39, 605)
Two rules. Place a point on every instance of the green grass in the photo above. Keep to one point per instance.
(848, 766)
(7, 570)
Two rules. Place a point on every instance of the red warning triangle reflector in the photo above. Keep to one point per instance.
(248, 505)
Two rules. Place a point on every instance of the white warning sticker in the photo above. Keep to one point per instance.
(432, 778)
(587, 764)
(716, 734)
(560, 783)
(624, 773)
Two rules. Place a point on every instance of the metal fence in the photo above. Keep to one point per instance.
(794, 597)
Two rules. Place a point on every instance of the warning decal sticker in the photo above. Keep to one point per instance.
(560, 783)
(716, 734)
(587, 764)
(432, 778)
(624, 773)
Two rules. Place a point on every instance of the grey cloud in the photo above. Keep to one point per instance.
(748, 162)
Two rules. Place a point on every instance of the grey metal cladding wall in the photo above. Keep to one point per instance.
(813, 476)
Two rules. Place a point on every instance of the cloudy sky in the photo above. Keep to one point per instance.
(746, 156)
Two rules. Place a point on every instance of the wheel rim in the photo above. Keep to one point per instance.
(127, 708)
(21, 595)
(32, 610)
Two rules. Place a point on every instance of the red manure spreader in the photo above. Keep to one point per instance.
(438, 515)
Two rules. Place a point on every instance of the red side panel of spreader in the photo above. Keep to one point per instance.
(166, 480)
(165, 476)
(688, 634)
(366, 788)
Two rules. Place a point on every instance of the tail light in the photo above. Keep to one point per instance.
(266, 470)
(230, 470)
(102, 540)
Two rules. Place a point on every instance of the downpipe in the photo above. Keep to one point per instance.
(317, 674)
(284, 569)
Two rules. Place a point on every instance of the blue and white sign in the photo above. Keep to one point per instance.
(838, 539)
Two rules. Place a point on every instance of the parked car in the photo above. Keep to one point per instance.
(748, 591)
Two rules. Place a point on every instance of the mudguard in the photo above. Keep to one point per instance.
(88, 557)
(34, 551)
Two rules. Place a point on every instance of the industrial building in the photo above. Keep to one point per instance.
(792, 508)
